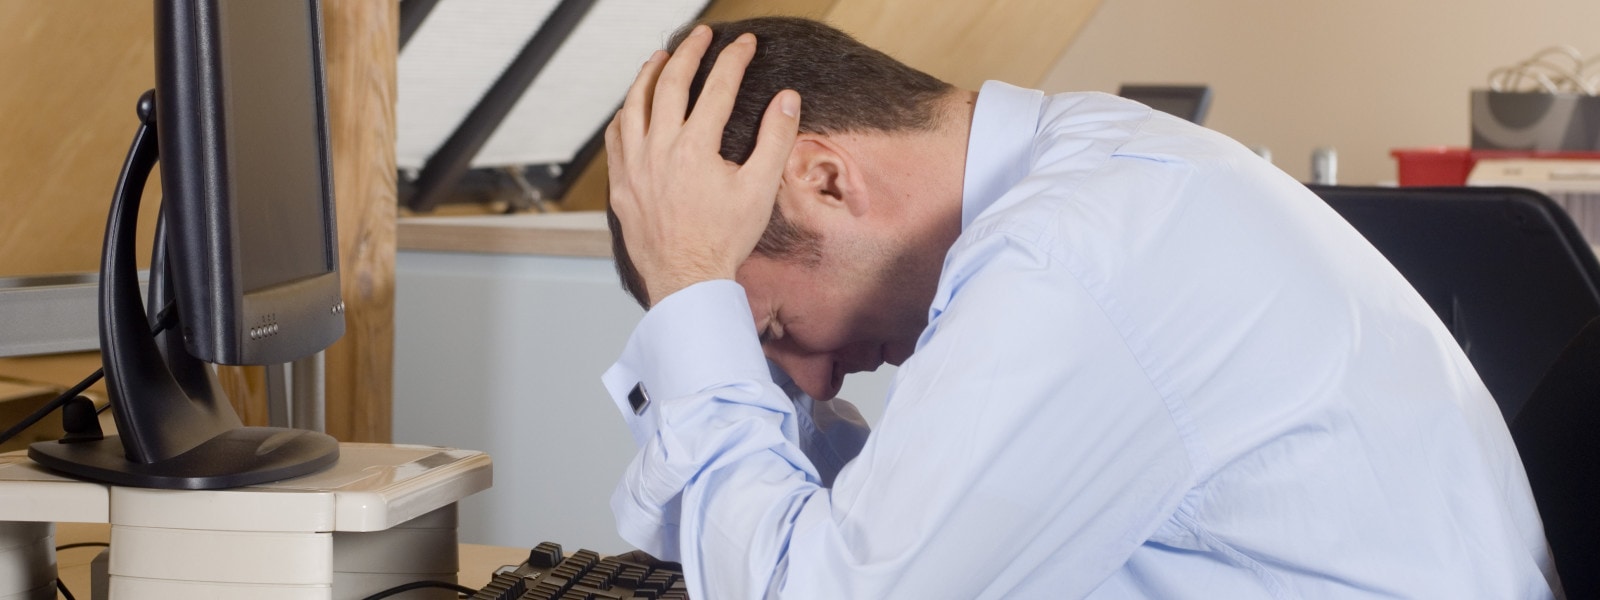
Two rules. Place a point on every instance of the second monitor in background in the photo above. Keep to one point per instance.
(1184, 101)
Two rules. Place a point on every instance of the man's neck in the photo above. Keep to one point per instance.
(942, 154)
(920, 173)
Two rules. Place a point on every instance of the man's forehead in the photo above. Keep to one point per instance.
(758, 275)
(769, 283)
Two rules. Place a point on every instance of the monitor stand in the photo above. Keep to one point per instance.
(177, 429)
(381, 516)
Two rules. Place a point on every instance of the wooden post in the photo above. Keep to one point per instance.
(361, 42)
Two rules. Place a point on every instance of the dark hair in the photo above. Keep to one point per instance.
(844, 87)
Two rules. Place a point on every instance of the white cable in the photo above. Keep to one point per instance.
(1553, 70)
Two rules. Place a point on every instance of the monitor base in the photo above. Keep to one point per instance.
(236, 457)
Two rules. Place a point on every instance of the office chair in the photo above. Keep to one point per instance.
(1519, 287)
(1558, 435)
(1504, 268)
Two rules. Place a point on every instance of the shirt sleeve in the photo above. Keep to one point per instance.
(832, 432)
(1022, 432)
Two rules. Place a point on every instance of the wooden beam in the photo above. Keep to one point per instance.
(361, 42)
(733, 10)
(966, 42)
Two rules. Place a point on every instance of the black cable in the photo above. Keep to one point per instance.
(417, 585)
(82, 545)
(164, 320)
(62, 586)
(52, 405)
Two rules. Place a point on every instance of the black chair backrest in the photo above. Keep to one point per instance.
(1504, 268)
(1514, 280)
(1558, 435)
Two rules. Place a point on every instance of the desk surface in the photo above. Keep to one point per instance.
(579, 233)
(478, 562)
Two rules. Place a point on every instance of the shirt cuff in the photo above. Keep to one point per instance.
(699, 338)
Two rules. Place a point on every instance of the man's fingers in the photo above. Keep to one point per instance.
(722, 87)
(779, 127)
(615, 167)
(634, 118)
(614, 140)
(671, 100)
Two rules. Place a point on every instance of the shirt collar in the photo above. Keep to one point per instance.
(1000, 147)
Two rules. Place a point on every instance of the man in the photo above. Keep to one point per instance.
(1135, 360)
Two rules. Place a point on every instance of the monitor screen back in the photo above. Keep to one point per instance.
(269, 103)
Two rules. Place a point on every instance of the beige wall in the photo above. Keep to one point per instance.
(72, 73)
(1362, 76)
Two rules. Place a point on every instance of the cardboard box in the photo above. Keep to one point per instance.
(1535, 121)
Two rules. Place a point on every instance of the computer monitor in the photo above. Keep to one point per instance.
(246, 252)
(246, 179)
(1188, 102)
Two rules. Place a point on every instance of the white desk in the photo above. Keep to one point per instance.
(73, 566)
(382, 516)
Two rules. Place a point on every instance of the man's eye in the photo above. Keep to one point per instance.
(773, 330)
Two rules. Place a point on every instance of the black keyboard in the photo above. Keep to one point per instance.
(584, 575)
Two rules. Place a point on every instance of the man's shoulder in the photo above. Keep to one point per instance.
(1091, 125)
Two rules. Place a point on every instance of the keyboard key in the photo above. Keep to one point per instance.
(550, 574)
(545, 555)
(505, 586)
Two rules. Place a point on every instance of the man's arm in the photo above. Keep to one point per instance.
(687, 214)
(1011, 448)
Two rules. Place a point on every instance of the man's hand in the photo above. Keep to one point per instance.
(687, 214)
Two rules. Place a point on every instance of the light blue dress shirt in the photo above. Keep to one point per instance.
(1155, 367)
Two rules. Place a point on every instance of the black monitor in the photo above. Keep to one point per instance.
(245, 269)
(245, 173)
(1188, 102)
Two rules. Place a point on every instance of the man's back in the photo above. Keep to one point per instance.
(1151, 365)
(1331, 437)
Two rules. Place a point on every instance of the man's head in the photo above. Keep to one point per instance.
(868, 201)
(845, 86)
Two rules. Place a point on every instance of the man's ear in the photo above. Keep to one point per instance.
(822, 176)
